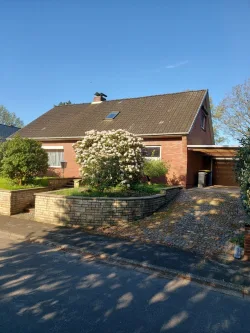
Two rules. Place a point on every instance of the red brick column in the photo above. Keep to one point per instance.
(184, 160)
(247, 242)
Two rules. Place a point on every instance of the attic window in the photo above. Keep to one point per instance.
(203, 121)
(112, 115)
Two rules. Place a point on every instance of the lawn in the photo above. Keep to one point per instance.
(7, 184)
(135, 191)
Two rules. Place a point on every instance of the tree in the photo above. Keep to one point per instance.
(110, 158)
(2, 145)
(154, 168)
(234, 111)
(64, 103)
(23, 159)
(216, 119)
(9, 118)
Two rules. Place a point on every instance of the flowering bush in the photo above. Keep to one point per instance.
(110, 158)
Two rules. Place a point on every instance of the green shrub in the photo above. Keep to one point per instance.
(1, 153)
(238, 240)
(23, 159)
(242, 169)
(154, 168)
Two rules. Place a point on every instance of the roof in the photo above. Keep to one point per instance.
(6, 131)
(151, 115)
(216, 150)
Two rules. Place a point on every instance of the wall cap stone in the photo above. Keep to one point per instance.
(51, 195)
(24, 189)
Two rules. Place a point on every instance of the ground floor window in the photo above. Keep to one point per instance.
(152, 152)
(55, 155)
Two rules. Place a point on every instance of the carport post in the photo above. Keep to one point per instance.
(211, 167)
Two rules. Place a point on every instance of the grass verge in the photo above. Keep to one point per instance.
(8, 184)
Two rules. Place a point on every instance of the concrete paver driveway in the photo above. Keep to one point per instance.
(201, 220)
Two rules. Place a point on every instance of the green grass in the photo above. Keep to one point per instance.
(8, 184)
(136, 191)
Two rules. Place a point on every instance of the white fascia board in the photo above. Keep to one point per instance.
(213, 146)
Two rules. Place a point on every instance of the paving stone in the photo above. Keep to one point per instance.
(200, 220)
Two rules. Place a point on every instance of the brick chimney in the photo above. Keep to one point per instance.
(99, 97)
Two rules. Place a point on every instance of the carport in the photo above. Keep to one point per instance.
(219, 159)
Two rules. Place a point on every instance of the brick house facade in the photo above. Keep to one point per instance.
(171, 122)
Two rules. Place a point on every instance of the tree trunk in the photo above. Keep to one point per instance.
(149, 181)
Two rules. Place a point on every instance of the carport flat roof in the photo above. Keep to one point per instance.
(215, 150)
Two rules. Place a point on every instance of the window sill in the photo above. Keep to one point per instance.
(152, 158)
(55, 167)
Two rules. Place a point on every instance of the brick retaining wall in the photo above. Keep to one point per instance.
(76, 210)
(57, 183)
(15, 201)
(5, 202)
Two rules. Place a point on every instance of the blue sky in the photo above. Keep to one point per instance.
(56, 50)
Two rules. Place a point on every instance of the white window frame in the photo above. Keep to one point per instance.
(151, 157)
(48, 148)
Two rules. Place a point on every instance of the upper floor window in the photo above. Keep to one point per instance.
(152, 152)
(203, 121)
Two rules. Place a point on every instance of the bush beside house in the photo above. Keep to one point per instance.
(22, 159)
(243, 177)
(243, 171)
(110, 158)
(154, 168)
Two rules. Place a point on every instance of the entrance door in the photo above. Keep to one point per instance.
(223, 173)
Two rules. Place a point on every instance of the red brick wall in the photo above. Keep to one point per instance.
(198, 136)
(72, 169)
(173, 152)
(247, 242)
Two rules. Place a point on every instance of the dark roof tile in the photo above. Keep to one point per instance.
(160, 114)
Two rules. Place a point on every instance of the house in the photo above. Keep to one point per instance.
(177, 127)
(6, 131)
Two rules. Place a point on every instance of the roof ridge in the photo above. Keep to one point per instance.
(174, 93)
(126, 98)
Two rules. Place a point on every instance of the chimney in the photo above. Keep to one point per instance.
(99, 97)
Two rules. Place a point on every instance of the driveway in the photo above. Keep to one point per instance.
(45, 291)
(199, 220)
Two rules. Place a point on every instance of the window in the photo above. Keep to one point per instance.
(112, 115)
(152, 152)
(55, 155)
(203, 121)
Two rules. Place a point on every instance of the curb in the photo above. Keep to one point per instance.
(164, 272)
